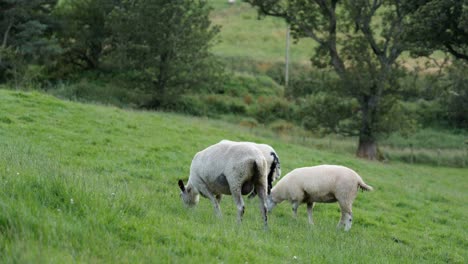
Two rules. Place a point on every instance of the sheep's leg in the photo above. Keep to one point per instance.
(214, 200)
(262, 196)
(295, 205)
(236, 195)
(346, 216)
(310, 206)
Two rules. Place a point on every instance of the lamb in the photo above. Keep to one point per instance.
(227, 168)
(273, 162)
(321, 184)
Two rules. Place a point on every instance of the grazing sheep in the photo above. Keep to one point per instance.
(227, 168)
(321, 184)
(273, 162)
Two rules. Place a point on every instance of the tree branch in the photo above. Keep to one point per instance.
(7, 32)
(455, 53)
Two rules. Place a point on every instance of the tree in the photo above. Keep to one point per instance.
(455, 101)
(84, 31)
(362, 53)
(26, 29)
(168, 41)
(438, 25)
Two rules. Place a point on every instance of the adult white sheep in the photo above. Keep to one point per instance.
(272, 159)
(321, 184)
(227, 168)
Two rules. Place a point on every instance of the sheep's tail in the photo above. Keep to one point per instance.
(363, 185)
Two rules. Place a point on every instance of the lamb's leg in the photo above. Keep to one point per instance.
(310, 206)
(346, 215)
(295, 205)
(262, 196)
(218, 198)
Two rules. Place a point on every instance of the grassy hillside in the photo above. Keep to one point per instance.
(244, 35)
(95, 184)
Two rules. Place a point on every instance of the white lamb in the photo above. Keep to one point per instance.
(227, 168)
(321, 184)
(272, 159)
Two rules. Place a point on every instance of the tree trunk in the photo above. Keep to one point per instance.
(367, 148)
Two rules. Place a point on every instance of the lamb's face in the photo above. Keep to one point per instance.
(188, 196)
(277, 173)
(270, 204)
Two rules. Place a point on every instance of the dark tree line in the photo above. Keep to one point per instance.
(164, 42)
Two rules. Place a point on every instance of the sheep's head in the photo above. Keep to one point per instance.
(189, 197)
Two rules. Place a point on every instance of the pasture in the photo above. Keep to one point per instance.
(96, 184)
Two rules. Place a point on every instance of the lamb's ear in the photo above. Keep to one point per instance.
(181, 185)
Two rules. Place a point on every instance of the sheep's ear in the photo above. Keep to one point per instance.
(181, 185)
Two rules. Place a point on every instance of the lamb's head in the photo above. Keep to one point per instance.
(188, 195)
(270, 204)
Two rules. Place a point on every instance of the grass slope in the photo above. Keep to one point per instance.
(244, 35)
(95, 184)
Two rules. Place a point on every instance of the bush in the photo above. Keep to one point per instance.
(268, 109)
(282, 127)
(241, 84)
(192, 105)
(325, 113)
(210, 105)
(88, 91)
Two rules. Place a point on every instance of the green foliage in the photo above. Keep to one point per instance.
(86, 183)
(363, 59)
(210, 105)
(98, 92)
(268, 109)
(168, 41)
(329, 113)
(26, 28)
(457, 97)
(438, 25)
(244, 84)
(84, 31)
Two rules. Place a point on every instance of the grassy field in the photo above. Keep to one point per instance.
(96, 184)
(244, 35)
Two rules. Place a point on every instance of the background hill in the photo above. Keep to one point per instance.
(90, 183)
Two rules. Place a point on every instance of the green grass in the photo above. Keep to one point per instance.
(96, 184)
(244, 35)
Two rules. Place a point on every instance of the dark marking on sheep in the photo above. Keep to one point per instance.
(247, 187)
(306, 198)
(274, 165)
(221, 180)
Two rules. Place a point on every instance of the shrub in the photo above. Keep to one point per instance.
(192, 105)
(210, 105)
(241, 84)
(282, 127)
(88, 91)
(248, 122)
(268, 109)
(325, 113)
(223, 104)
